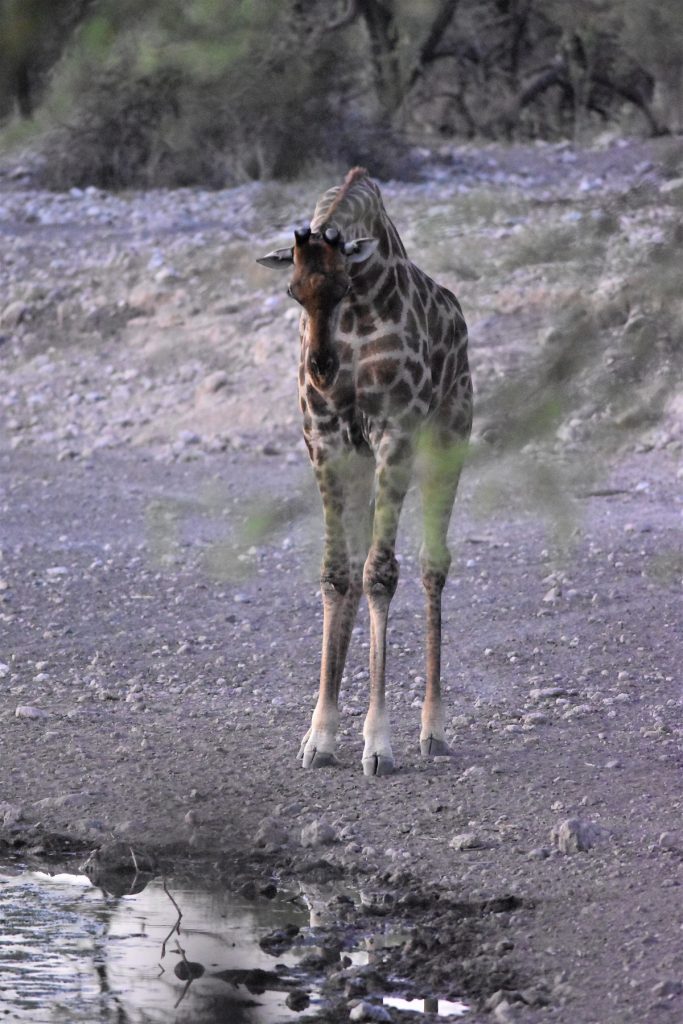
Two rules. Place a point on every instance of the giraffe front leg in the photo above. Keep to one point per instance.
(380, 578)
(343, 627)
(318, 747)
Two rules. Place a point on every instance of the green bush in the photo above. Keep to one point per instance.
(212, 99)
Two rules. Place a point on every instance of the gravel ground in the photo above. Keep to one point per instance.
(160, 618)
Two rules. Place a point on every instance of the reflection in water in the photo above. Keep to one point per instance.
(51, 945)
(68, 953)
(73, 954)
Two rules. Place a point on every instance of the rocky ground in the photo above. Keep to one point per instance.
(159, 612)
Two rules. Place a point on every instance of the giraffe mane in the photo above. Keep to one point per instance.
(352, 176)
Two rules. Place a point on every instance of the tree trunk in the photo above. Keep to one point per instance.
(380, 21)
(429, 50)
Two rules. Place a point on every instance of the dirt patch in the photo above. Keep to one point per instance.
(564, 698)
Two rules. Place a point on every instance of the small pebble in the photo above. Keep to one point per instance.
(297, 1000)
(536, 718)
(667, 989)
(547, 692)
(671, 841)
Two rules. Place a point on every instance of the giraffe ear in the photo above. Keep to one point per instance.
(279, 259)
(360, 249)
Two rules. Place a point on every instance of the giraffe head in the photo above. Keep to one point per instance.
(320, 280)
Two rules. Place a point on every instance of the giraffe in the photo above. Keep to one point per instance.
(384, 389)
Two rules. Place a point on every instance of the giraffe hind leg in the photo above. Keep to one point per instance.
(441, 461)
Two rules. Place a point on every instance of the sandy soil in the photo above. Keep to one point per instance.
(159, 611)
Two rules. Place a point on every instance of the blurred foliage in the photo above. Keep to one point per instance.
(653, 34)
(33, 34)
(170, 94)
(174, 94)
(221, 91)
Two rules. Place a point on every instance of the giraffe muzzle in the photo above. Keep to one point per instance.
(323, 368)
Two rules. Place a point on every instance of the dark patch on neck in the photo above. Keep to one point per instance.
(366, 277)
(386, 291)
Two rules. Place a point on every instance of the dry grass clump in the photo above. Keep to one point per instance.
(556, 244)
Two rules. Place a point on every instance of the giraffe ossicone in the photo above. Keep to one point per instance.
(385, 391)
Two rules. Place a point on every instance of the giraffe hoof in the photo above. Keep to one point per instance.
(431, 747)
(314, 758)
(302, 748)
(378, 764)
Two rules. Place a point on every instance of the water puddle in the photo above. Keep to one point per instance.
(71, 953)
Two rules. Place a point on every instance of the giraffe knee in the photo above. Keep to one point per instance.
(434, 566)
(334, 579)
(380, 574)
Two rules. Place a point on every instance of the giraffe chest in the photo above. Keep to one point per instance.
(382, 383)
(399, 365)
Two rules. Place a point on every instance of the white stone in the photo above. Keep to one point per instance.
(271, 832)
(26, 711)
(467, 841)
(574, 835)
(318, 833)
(369, 1011)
